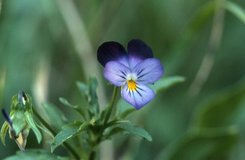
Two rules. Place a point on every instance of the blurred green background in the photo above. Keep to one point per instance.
(47, 45)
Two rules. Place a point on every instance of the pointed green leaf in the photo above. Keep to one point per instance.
(45, 130)
(4, 131)
(68, 132)
(83, 88)
(93, 99)
(201, 145)
(33, 126)
(126, 113)
(103, 113)
(167, 82)
(89, 91)
(37, 154)
(54, 116)
(68, 104)
(123, 106)
(235, 9)
(128, 127)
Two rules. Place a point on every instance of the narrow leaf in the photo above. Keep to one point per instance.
(45, 130)
(67, 132)
(127, 112)
(93, 99)
(54, 116)
(125, 126)
(68, 104)
(4, 131)
(83, 88)
(167, 82)
(33, 126)
(89, 91)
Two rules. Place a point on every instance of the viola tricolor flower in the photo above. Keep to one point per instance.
(132, 70)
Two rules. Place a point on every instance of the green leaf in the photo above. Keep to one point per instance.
(236, 10)
(93, 99)
(93, 84)
(122, 106)
(36, 154)
(45, 130)
(83, 88)
(68, 104)
(219, 111)
(201, 145)
(89, 91)
(54, 116)
(126, 113)
(4, 131)
(126, 126)
(167, 82)
(33, 126)
(67, 132)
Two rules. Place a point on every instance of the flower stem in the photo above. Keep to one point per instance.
(112, 103)
(67, 146)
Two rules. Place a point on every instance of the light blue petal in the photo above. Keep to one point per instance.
(148, 71)
(138, 98)
(116, 73)
(133, 61)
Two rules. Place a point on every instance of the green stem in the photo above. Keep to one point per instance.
(112, 103)
(67, 146)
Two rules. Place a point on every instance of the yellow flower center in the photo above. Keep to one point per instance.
(132, 85)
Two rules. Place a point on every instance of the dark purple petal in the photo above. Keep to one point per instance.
(138, 48)
(148, 71)
(110, 51)
(116, 73)
(138, 98)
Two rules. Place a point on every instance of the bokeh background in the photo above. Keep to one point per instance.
(48, 45)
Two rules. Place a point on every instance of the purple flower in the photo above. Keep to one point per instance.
(132, 70)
